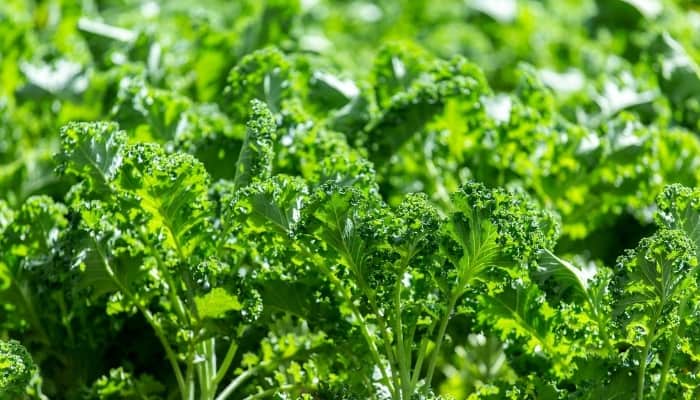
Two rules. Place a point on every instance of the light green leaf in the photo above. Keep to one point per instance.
(217, 303)
(255, 159)
(92, 150)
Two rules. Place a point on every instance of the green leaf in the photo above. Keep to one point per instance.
(106, 252)
(294, 298)
(679, 208)
(173, 189)
(410, 110)
(120, 384)
(32, 237)
(679, 74)
(155, 114)
(255, 159)
(277, 203)
(92, 151)
(396, 66)
(656, 270)
(263, 75)
(523, 312)
(338, 216)
(16, 368)
(566, 273)
(494, 228)
(216, 303)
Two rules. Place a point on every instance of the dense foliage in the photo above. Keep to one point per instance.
(318, 199)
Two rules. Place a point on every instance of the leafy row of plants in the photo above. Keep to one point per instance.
(222, 200)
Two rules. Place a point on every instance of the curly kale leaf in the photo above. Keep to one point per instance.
(16, 368)
(255, 159)
(679, 208)
(92, 151)
(409, 110)
(655, 292)
(494, 228)
(264, 75)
